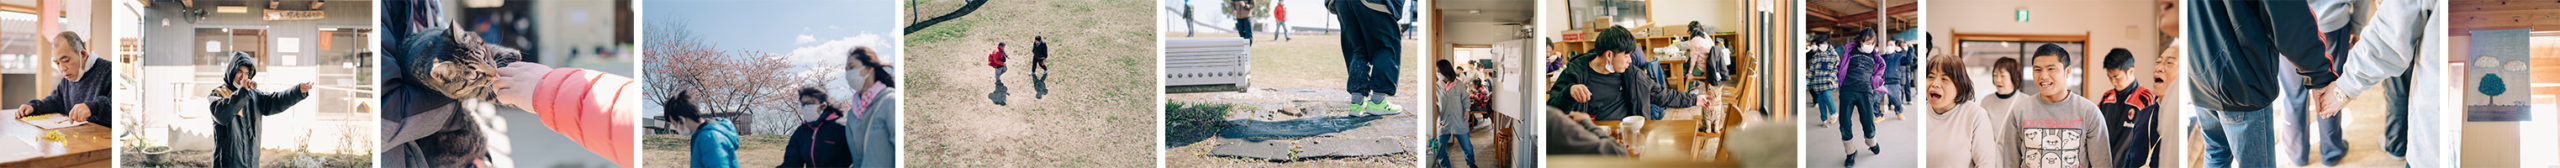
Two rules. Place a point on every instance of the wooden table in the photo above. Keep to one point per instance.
(1615, 161)
(84, 145)
(1660, 139)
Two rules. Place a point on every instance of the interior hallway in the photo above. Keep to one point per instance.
(1900, 139)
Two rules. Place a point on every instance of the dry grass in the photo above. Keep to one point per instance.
(1100, 107)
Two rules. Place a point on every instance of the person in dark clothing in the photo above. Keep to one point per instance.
(1242, 10)
(2238, 46)
(83, 91)
(424, 125)
(1039, 55)
(2131, 111)
(1573, 135)
(1599, 84)
(237, 107)
(819, 141)
(1373, 50)
(1861, 75)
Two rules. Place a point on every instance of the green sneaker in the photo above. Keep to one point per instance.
(1356, 107)
(1369, 107)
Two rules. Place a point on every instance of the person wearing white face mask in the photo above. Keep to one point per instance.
(873, 121)
(819, 141)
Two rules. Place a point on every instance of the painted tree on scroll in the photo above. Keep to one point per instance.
(2493, 86)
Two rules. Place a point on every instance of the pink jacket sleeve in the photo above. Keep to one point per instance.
(592, 108)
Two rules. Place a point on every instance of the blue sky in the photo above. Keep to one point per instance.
(777, 26)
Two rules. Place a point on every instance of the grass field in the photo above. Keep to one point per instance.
(1096, 110)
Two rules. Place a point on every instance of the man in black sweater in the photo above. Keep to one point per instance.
(82, 92)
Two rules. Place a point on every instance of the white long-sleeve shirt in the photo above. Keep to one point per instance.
(1962, 137)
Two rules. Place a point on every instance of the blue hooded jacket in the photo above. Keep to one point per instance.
(716, 144)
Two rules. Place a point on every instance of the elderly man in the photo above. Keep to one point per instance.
(83, 92)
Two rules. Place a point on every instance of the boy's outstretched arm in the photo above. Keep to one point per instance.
(276, 102)
(588, 107)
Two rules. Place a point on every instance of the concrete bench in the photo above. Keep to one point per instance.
(1207, 65)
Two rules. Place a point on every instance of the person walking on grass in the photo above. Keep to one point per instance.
(1280, 13)
(1039, 55)
(996, 60)
(237, 108)
(1371, 46)
(1242, 11)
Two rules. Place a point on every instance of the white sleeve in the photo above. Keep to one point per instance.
(2387, 46)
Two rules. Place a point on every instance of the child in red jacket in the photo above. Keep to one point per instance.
(997, 60)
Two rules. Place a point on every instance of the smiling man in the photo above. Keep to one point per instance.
(2056, 128)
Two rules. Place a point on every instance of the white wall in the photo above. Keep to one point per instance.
(1723, 15)
(2109, 24)
(1552, 20)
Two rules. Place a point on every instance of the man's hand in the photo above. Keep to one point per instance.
(304, 87)
(1580, 93)
(517, 81)
(1579, 116)
(24, 109)
(2324, 101)
(2331, 101)
(1705, 99)
(79, 112)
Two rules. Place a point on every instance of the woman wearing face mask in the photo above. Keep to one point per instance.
(1956, 122)
(819, 141)
(874, 113)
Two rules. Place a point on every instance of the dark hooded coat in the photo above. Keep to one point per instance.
(236, 115)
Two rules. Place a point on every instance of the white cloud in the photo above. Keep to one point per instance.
(803, 39)
(825, 58)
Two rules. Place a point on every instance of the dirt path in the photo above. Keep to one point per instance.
(1098, 109)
